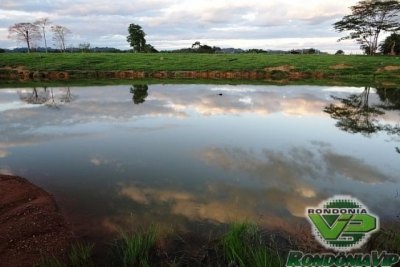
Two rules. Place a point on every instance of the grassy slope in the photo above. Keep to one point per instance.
(174, 62)
(362, 70)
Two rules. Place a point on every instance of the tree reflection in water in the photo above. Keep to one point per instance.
(67, 97)
(45, 96)
(139, 92)
(37, 96)
(356, 113)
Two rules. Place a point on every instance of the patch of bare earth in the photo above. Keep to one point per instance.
(31, 226)
(389, 68)
(340, 67)
(286, 68)
(387, 84)
(16, 67)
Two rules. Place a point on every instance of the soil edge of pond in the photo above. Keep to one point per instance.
(31, 225)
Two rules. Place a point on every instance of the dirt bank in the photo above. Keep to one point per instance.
(273, 74)
(31, 226)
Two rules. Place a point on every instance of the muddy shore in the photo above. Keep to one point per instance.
(274, 73)
(31, 226)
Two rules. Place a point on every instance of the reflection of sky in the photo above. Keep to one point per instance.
(188, 155)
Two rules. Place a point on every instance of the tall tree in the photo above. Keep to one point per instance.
(59, 35)
(136, 38)
(368, 20)
(196, 45)
(148, 48)
(25, 32)
(391, 45)
(42, 23)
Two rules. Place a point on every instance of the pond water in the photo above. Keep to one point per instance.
(196, 156)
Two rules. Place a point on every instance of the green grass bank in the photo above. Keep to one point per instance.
(382, 69)
(198, 62)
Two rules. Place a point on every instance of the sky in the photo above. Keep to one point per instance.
(172, 24)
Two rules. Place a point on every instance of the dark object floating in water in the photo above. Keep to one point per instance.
(398, 150)
(220, 94)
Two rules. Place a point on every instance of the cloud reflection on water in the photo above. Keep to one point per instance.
(154, 162)
(286, 185)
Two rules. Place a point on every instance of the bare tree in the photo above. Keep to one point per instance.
(42, 24)
(25, 32)
(59, 35)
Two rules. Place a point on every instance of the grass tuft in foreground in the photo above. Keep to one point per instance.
(385, 240)
(134, 249)
(243, 245)
(80, 255)
(50, 262)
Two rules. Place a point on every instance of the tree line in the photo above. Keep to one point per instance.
(33, 32)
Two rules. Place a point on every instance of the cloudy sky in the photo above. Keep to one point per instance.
(169, 24)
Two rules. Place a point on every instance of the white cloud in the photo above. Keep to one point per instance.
(171, 24)
(6, 170)
(3, 153)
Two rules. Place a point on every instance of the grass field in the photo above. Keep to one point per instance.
(196, 62)
(357, 67)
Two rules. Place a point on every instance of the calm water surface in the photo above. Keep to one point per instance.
(190, 156)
